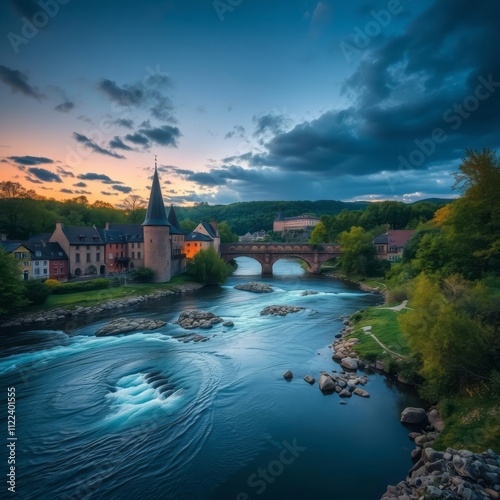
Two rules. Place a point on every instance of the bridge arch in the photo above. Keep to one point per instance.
(269, 253)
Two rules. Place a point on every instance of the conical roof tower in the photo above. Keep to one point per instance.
(156, 214)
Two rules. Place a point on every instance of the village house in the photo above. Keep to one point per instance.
(298, 223)
(390, 245)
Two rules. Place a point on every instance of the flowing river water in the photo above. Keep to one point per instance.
(145, 416)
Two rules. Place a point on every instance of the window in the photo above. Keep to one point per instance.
(45, 271)
(77, 247)
(97, 257)
(138, 255)
(38, 253)
(56, 271)
(138, 245)
(36, 272)
(26, 263)
(62, 269)
(121, 254)
(77, 257)
(133, 254)
(111, 255)
(37, 263)
(98, 247)
(133, 244)
(88, 247)
(88, 257)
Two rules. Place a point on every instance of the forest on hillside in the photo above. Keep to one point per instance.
(23, 213)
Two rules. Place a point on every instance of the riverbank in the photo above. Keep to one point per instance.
(100, 300)
(374, 285)
(470, 423)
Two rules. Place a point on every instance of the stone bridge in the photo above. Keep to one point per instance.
(268, 253)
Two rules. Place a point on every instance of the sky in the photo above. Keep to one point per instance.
(246, 100)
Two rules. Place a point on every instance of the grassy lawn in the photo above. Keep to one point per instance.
(472, 423)
(94, 297)
(385, 327)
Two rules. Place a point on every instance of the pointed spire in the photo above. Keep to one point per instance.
(156, 214)
(172, 218)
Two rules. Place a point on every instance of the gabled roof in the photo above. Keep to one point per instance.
(195, 236)
(399, 237)
(381, 239)
(46, 251)
(156, 214)
(40, 237)
(110, 236)
(9, 246)
(174, 222)
(209, 229)
(78, 235)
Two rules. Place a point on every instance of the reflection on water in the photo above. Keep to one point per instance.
(147, 416)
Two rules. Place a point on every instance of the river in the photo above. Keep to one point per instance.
(145, 416)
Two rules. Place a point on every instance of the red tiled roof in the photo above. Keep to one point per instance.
(399, 237)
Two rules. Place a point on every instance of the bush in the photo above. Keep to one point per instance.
(207, 267)
(36, 291)
(142, 274)
(398, 294)
(51, 284)
(84, 286)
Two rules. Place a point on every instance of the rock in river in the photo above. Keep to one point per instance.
(326, 383)
(194, 318)
(255, 287)
(124, 325)
(309, 379)
(288, 375)
(349, 363)
(280, 310)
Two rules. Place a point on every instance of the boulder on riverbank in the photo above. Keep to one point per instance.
(195, 318)
(125, 325)
(413, 415)
(280, 310)
(255, 287)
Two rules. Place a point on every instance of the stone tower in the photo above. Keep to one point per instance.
(157, 251)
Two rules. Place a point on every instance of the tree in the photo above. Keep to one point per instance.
(450, 328)
(36, 291)
(188, 225)
(12, 296)
(134, 208)
(226, 235)
(142, 274)
(358, 251)
(319, 234)
(207, 267)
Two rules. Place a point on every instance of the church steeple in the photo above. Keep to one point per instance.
(156, 214)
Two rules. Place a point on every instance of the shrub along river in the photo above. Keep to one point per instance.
(146, 416)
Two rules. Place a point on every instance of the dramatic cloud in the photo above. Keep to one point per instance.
(31, 179)
(117, 143)
(139, 95)
(137, 139)
(238, 131)
(106, 193)
(65, 190)
(97, 177)
(64, 173)
(18, 82)
(126, 123)
(80, 184)
(44, 175)
(123, 189)
(81, 191)
(163, 136)
(65, 107)
(270, 123)
(95, 147)
(30, 160)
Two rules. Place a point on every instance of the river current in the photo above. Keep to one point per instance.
(146, 416)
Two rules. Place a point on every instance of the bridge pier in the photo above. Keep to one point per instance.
(315, 268)
(267, 268)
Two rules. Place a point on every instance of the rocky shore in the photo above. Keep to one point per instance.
(255, 287)
(280, 310)
(61, 313)
(449, 474)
